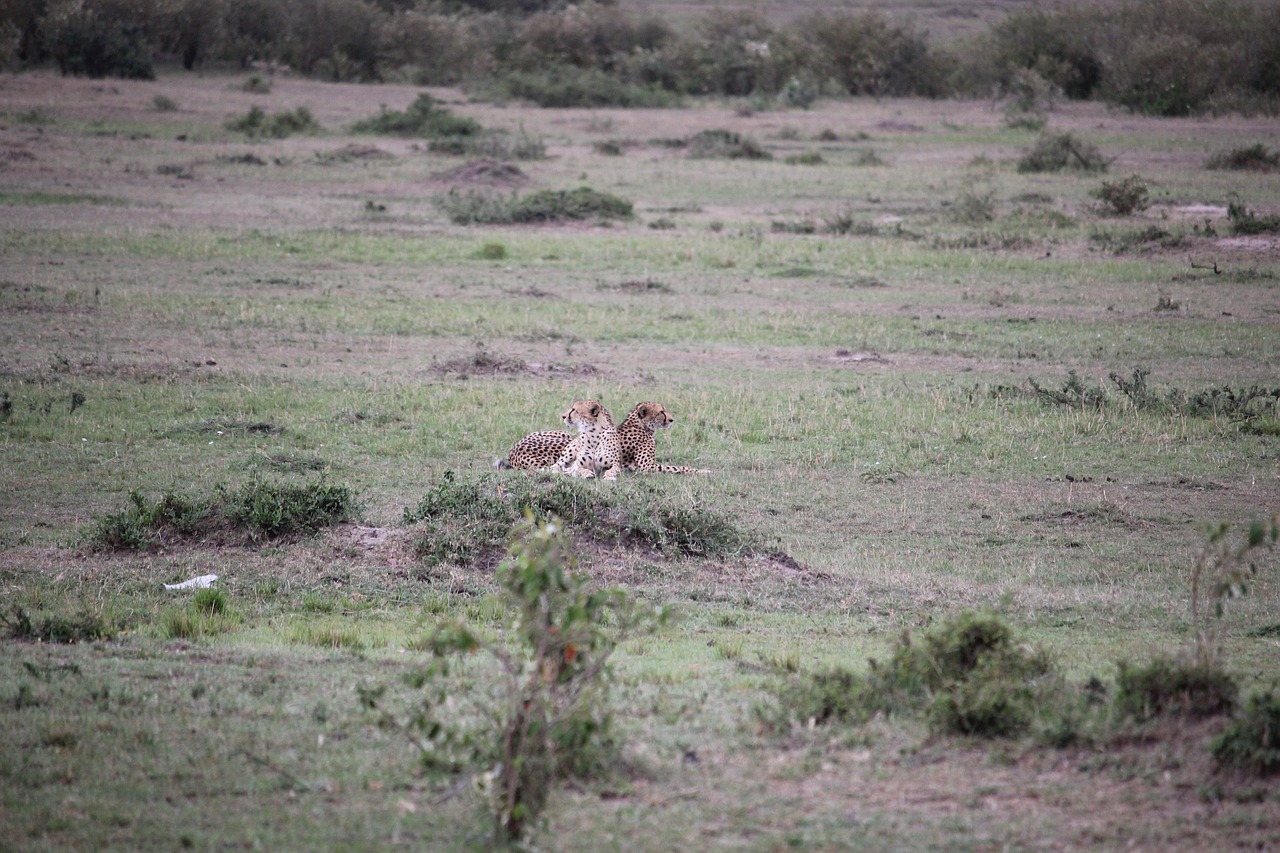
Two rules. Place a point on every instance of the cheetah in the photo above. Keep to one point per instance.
(536, 451)
(639, 450)
(596, 451)
(541, 450)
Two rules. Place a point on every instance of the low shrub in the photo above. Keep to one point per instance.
(255, 510)
(1192, 687)
(1245, 221)
(83, 627)
(1251, 741)
(256, 123)
(1123, 197)
(975, 206)
(1073, 393)
(486, 208)
(270, 510)
(1054, 152)
(574, 87)
(548, 718)
(465, 520)
(424, 118)
(492, 144)
(964, 676)
(1254, 158)
(726, 145)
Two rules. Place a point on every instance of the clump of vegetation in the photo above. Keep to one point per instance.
(1253, 158)
(1073, 393)
(1123, 197)
(975, 206)
(84, 627)
(495, 144)
(271, 510)
(1222, 572)
(208, 613)
(1171, 684)
(1251, 742)
(86, 43)
(966, 675)
(256, 84)
(164, 104)
(550, 720)
(726, 145)
(257, 124)
(424, 118)
(808, 158)
(485, 208)
(1029, 98)
(569, 86)
(256, 510)
(1139, 239)
(1245, 221)
(1054, 152)
(465, 520)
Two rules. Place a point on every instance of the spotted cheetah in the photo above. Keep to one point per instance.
(639, 450)
(540, 450)
(596, 451)
(536, 450)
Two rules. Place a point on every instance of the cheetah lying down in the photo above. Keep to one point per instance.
(543, 450)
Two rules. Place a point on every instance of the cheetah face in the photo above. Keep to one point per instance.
(586, 415)
(653, 415)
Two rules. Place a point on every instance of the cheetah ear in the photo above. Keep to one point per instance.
(595, 409)
(642, 410)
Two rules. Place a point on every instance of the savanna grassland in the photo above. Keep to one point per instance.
(850, 334)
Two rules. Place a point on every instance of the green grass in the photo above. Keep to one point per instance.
(864, 401)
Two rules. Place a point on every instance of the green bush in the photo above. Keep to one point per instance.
(423, 118)
(1058, 47)
(271, 510)
(84, 627)
(1073, 394)
(571, 86)
(87, 43)
(1254, 158)
(1054, 152)
(966, 675)
(257, 509)
(865, 54)
(256, 123)
(1123, 197)
(1195, 688)
(1251, 742)
(1245, 221)
(464, 520)
(548, 720)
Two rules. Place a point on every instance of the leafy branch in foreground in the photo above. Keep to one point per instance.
(1222, 572)
(550, 719)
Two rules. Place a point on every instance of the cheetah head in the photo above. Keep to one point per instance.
(587, 415)
(652, 416)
